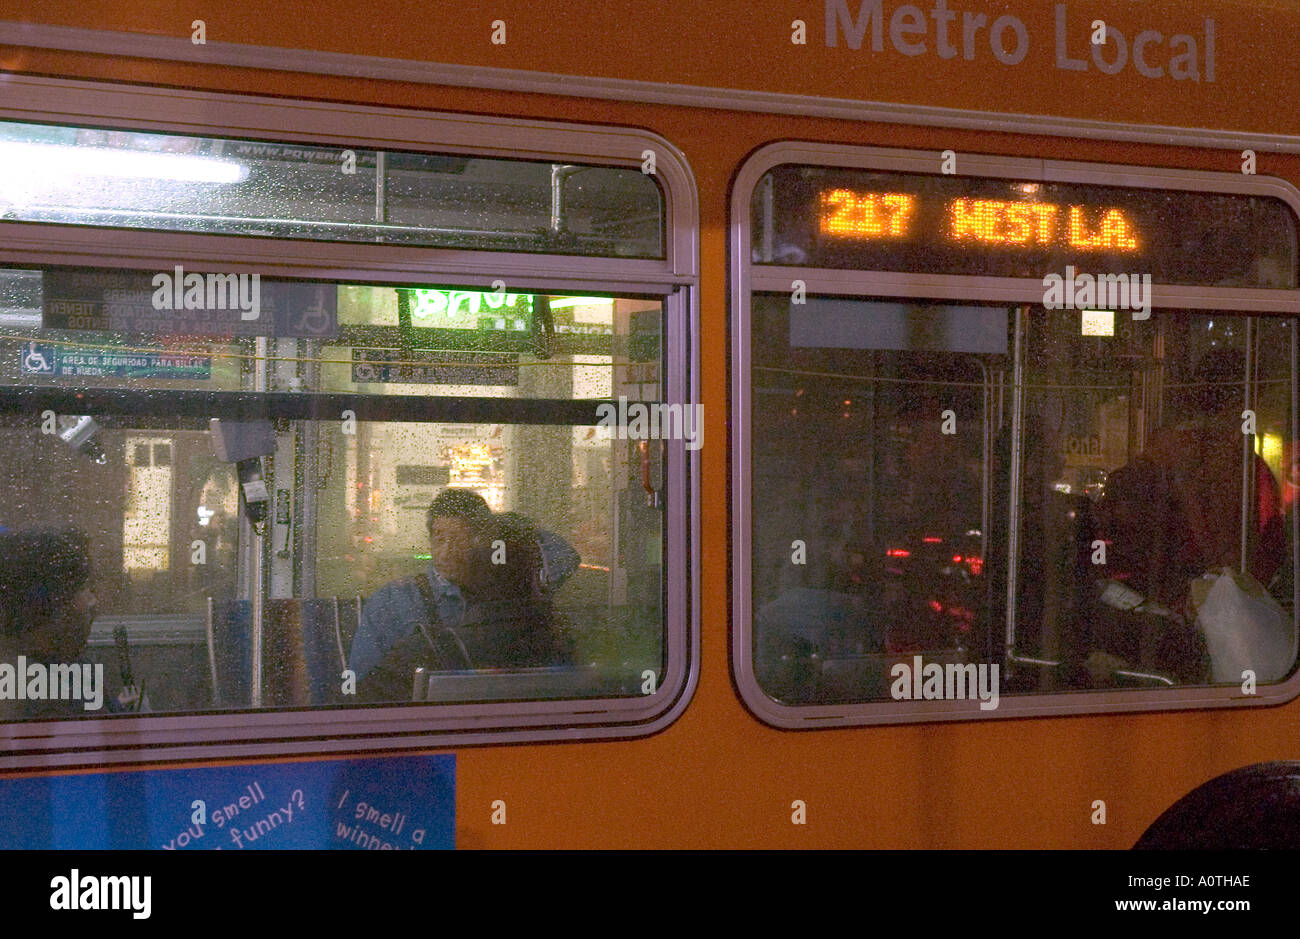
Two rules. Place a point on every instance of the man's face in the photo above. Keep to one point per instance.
(458, 551)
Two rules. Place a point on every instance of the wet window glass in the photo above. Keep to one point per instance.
(132, 179)
(1081, 504)
(361, 495)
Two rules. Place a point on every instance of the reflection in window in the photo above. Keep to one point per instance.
(146, 517)
(896, 470)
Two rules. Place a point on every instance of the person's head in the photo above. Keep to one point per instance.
(458, 522)
(520, 577)
(46, 606)
(530, 627)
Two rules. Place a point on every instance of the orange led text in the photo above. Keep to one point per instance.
(867, 214)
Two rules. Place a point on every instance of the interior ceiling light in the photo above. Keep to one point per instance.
(19, 160)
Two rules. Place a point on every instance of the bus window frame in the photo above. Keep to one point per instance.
(129, 740)
(749, 278)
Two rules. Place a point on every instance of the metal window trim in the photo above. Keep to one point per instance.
(38, 244)
(128, 740)
(748, 278)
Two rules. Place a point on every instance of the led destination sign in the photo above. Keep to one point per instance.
(885, 215)
(815, 216)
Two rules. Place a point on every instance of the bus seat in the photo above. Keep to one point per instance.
(304, 644)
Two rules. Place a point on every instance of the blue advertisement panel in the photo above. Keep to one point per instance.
(402, 803)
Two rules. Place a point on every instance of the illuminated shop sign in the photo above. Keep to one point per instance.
(471, 309)
(462, 309)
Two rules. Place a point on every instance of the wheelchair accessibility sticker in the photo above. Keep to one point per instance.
(41, 359)
(38, 360)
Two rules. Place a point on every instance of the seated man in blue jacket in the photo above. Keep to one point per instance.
(464, 611)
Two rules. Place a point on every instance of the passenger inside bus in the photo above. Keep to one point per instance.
(1211, 536)
(1170, 520)
(46, 611)
(483, 602)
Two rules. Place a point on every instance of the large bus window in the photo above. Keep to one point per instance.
(957, 499)
(446, 519)
(883, 444)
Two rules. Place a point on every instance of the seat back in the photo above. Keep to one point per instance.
(304, 650)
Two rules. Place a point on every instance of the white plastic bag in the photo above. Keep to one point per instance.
(1244, 628)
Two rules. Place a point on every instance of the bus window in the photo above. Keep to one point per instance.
(951, 492)
(399, 439)
(398, 415)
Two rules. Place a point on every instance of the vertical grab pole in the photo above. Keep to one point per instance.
(212, 652)
(1013, 514)
(1288, 473)
(1246, 444)
(305, 541)
(871, 449)
(257, 547)
(986, 455)
(338, 634)
(381, 206)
